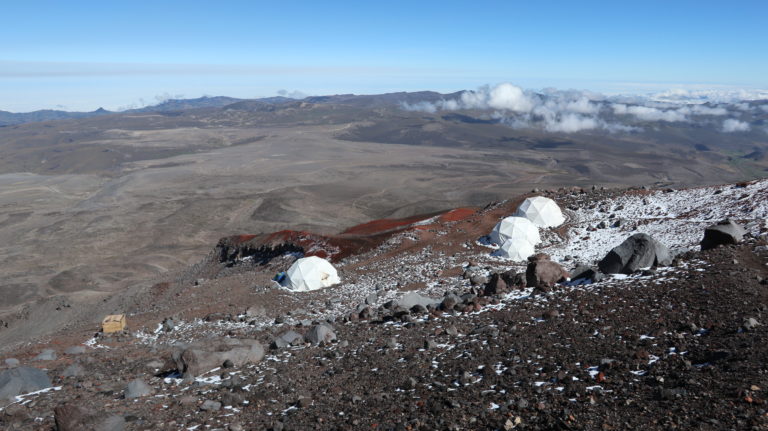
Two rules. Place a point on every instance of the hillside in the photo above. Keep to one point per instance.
(679, 346)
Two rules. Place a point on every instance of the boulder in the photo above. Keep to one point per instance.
(71, 417)
(638, 251)
(198, 358)
(290, 338)
(46, 355)
(724, 232)
(496, 285)
(586, 273)
(74, 370)
(412, 298)
(21, 380)
(138, 388)
(542, 272)
(320, 334)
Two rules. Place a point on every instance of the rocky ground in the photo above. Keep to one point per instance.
(675, 347)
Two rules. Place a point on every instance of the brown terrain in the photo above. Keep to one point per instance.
(181, 218)
(678, 347)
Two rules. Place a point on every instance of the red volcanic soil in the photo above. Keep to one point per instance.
(355, 240)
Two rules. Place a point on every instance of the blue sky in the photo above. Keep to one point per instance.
(80, 55)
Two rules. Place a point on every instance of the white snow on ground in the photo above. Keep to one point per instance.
(676, 219)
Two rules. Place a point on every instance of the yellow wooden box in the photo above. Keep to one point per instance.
(113, 323)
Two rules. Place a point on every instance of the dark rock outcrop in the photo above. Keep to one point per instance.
(638, 251)
(724, 232)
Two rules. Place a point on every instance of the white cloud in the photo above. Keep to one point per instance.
(732, 125)
(572, 110)
(509, 97)
(419, 106)
(570, 123)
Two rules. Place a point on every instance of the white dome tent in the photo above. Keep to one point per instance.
(515, 227)
(517, 249)
(543, 212)
(310, 273)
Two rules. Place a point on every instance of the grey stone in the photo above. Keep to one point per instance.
(322, 333)
(138, 388)
(392, 342)
(155, 364)
(169, 325)
(70, 417)
(478, 280)
(412, 298)
(638, 251)
(46, 355)
(750, 324)
(206, 355)
(289, 338)
(74, 370)
(430, 344)
(12, 362)
(22, 380)
(452, 331)
(724, 232)
(210, 405)
(449, 301)
(75, 350)
(372, 298)
(255, 311)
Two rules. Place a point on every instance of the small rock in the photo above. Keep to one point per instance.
(74, 370)
(138, 388)
(430, 344)
(12, 362)
(392, 343)
(46, 355)
(320, 334)
(210, 406)
(155, 364)
(452, 331)
(478, 280)
(371, 299)
(75, 350)
(550, 314)
(750, 324)
(168, 325)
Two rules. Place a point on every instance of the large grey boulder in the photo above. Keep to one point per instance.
(71, 417)
(411, 299)
(638, 251)
(21, 380)
(320, 334)
(724, 232)
(138, 388)
(203, 356)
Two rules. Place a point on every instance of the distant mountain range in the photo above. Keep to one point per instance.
(178, 105)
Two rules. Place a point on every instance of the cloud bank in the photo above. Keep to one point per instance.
(573, 111)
